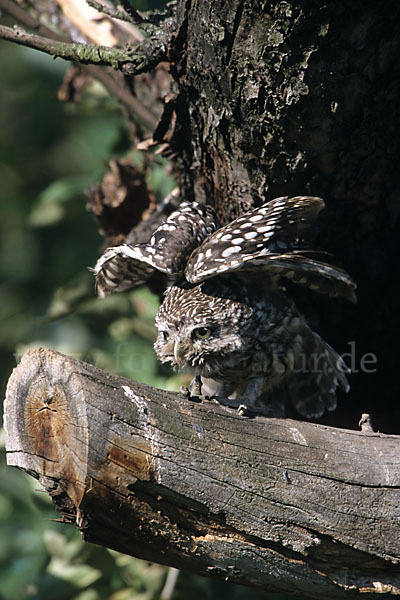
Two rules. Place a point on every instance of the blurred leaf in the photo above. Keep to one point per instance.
(54, 203)
(69, 298)
(89, 594)
(123, 328)
(146, 304)
(159, 181)
(79, 575)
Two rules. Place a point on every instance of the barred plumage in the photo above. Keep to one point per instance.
(126, 266)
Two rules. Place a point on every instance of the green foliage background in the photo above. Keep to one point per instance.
(49, 154)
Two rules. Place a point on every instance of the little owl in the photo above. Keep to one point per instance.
(226, 316)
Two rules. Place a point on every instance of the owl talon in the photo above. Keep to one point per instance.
(190, 395)
(185, 391)
(242, 410)
(195, 387)
(198, 399)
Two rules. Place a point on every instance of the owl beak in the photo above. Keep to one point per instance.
(178, 352)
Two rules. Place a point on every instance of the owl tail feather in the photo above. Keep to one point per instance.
(316, 375)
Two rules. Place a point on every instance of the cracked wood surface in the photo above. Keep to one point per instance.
(283, 505)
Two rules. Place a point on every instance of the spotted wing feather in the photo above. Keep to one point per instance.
(184, 230)
(126, 266)
(274, 227)
(316, 275)
(265, 239)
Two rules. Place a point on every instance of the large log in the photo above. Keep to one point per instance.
(283, 505)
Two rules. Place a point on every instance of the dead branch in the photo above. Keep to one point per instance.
(131, 61)
(282, 505)
(114, 13)
(112, 80)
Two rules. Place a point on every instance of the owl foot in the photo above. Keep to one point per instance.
(189, 395)
(185, 391)
(242, 410)
(194, 391)
(195, 387)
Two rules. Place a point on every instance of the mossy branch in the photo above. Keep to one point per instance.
(129, 60)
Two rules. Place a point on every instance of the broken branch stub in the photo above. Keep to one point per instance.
(286, 505)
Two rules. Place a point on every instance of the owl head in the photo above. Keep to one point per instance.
(198, 324)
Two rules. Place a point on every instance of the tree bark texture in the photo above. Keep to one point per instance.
(288, 98)
(279, 504)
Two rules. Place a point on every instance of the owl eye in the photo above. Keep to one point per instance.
(202, 333)
(165, 336)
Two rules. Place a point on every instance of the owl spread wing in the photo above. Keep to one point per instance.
(122, 267)
(316, 275)
(126, 266)
(265, 238)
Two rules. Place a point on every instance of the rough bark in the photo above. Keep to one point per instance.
(278, 504)
(285, 98)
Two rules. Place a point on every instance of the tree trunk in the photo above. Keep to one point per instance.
(288, 98)
(279, 504)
